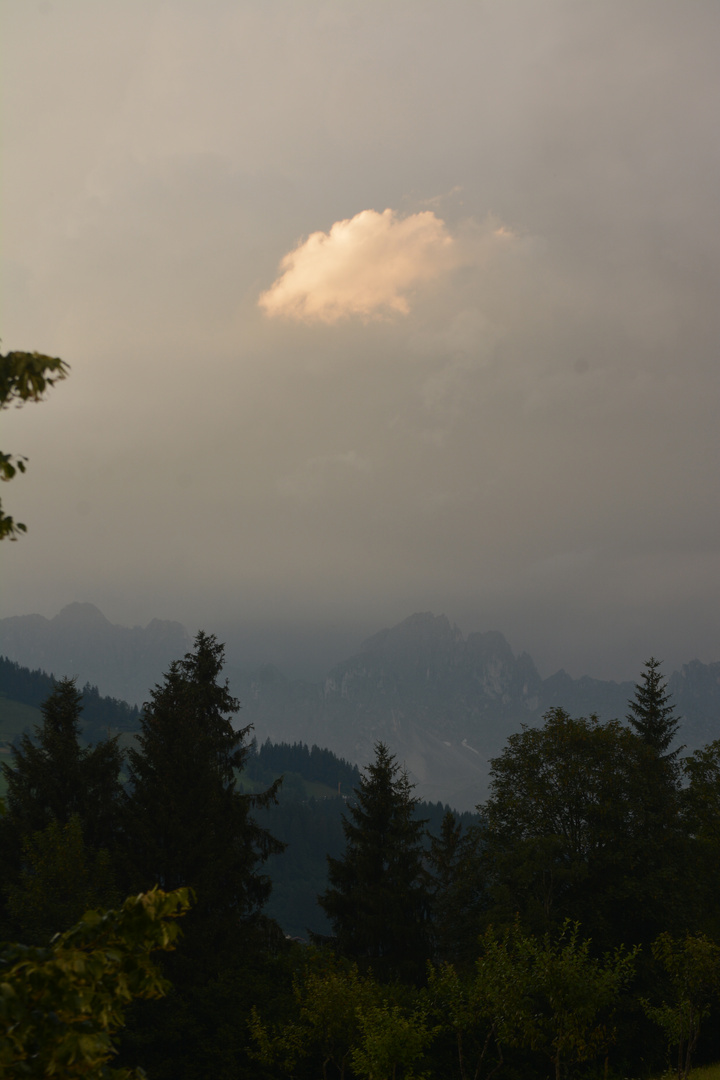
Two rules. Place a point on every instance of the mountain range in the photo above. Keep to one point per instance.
(445, 703)
(123, 662)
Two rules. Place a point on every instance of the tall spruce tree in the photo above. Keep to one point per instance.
(663, 854)
(55, 780)
(185, 821)
(378, 901)
(652, 715)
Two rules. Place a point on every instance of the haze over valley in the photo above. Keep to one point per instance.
(369, 315)
(444, 702)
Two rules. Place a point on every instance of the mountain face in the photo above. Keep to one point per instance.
(695, 690)
(424, 673)
(125, 663)
(445, 704)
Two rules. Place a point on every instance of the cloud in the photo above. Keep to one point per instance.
(314, 477)
(365, 266)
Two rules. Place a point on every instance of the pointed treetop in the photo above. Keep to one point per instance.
(651, 713)
(61, 710)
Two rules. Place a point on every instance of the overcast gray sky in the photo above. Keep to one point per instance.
(371, 308)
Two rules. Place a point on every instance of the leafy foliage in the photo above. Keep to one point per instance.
(693, 967)
(61, 1006)
(60, 878)
(575, 827)
(346, 1021)
(23, 377)
(573, 993)
(330, 995)
(546, 994)
(393, 1041)
(556, 806)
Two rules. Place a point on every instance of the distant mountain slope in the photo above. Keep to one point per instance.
(124, 663)
(444, 703)
(308, 818)
(22, 692)
(696, 692)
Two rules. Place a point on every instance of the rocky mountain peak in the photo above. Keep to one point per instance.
(78, 615)
(80, 641)
(420, 635)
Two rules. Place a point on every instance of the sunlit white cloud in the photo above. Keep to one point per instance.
(366, 266)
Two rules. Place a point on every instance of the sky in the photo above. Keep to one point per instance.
(371, 308)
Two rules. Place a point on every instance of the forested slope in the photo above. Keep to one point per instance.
(573, 930)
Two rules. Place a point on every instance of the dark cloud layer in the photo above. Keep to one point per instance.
(529, 444)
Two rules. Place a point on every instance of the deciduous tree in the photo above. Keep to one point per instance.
(546, 994)
(62, 1006)
(393, 1043)
(330, 995)
(693, 968)
(573, 830)
(60, 878)
(23, 377)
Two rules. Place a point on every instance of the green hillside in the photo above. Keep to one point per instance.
(101, 716)
(16, 717)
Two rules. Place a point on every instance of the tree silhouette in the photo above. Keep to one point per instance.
(186, 823)
(53, 777)
(652, 716)
(378, 902)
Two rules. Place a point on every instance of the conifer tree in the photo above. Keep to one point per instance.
(652, 715)
(378, 900)
(52, 781)
(662, 851)
(186, 824)
(583, 823)
(457, 891)
(53, 777)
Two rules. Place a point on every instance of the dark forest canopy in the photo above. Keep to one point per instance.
(572, 928)
(99, 713)
(314, 764)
